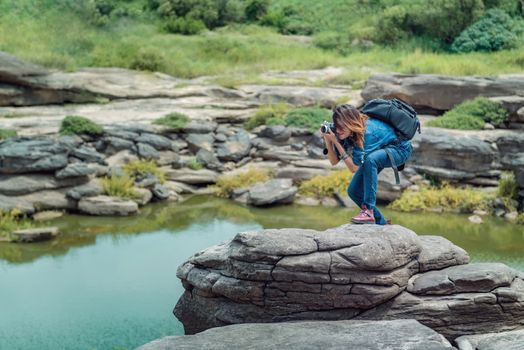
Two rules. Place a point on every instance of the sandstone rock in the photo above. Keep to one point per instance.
(47, 215)
(387, 189)
(9, 203)
(90, 189)
(144, 196)
(275, 191)
(49, 200)
(107, 206)
(193, 177)
(35, 234)
(512, 104)
(74, 170)
(475, 219)
(298, 174)
(116, 144)
(160, 192)
(197, 141)
(310, 335)
(308, 201)
(276, 132)
(512, 340)
(235, 148)
(437, 253)
(13, 185)
(159, 142)
(88, 154)
(200, 127)
(208, 159)
(167, 158)
(146, 151)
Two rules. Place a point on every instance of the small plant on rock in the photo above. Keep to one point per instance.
(508, 186)
(138, 169)
(7, 133)
(173, 120)
(119, 186)
(76, 125)
(327, 185)
(227, 183)
(195, 164)
(12, 220)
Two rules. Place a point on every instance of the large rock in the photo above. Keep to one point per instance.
(35, 234)
(440, 93)
(107, 206)
(512, 340)
(75, 170)
(294, 274)
(193, 177)
(235, 148)
(387, 189)
(14, 185)
(275, 191)
(310, 335)
(9, 203)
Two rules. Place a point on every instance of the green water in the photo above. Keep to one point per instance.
(109, 283)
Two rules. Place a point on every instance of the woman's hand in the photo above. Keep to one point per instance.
(330, 136)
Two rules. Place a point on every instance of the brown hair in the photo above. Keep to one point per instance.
(348, 117)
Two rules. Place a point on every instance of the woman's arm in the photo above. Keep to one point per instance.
(331, 140)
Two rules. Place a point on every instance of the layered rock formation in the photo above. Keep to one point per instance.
(352, 271)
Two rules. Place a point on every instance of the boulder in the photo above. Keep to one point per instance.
(200, 127)
(35, 234)
(439, 93)
(512, 104)
(74, 170)
(511, 340)
(387, 189)
(116, 144)
(107, 206)
(235, 148)
(298, 174)
(143, 196)
(159, 142)
(50, 200)
(193, 177)
(276, 132)
(275, 191)
(14, 185)
(209, 159)
(9, 203)
(88, 155)
(197, 141)
(146, 151)
(310, 335)
(160, 192)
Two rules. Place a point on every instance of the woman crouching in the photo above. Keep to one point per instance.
(365, 139)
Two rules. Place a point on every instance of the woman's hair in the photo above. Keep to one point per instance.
(348, 117)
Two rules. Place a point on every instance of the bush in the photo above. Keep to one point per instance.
(308, 117)
(513, 7)
(272, 113)
(508, 186)
(332, 41)
(256, 9)
(173, 120)
(195, 164)
(520, 219)
(139, 169)
(472, 115)
(11, 221)
(446, 197)
(227, 183)
(392, 25)
(7, 133)
(185, 26)
(328, 185)
(148, 60)
(493, 32)
(76, 125)
(119, 186)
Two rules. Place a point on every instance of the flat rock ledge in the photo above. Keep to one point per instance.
(310, 335)
(348, 272)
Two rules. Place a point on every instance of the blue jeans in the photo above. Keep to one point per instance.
(363, 186)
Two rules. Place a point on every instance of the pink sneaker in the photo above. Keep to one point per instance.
(364, 217)
(389, 222)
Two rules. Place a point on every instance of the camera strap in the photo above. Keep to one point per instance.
(393, 165)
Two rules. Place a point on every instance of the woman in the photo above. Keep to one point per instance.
(366, 138)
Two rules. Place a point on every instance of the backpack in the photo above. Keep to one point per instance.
(401, 116)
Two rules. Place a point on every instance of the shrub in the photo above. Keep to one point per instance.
(11, 221)
(513, 7)
(119, 186)
(256, 9)
(7, 133)
(493, 32)
(520, 219)
(76, 125)
(472, 115)
(331, 41)
(328, 185)
(508, 186)
(227, 183)
(138, 169)
(148, 60)
(173, 120)
(273, 113)
(195, 164)
(392, 25)
(308, 117)
(185, 26)
(446, 197)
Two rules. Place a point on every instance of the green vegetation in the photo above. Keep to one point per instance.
(227, 183)
(119, 186)
(75, 125)
(280, 114)
(173, 120)
(7, 133)
(328, 185)
(446, 197)
(520, 219)
(195, 164)
(472, 115)
(508, 186)
(137, 169)
(11, 221)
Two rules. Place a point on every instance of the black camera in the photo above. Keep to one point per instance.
(326, 126)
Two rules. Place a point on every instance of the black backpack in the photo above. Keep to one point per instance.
(401, 116)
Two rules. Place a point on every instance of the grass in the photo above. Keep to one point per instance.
(446, 197)
(173, 120)
(142, 168)
(281, 114)
(195, 164)
(11, 221)
(119, 186)
(77, 125)
(508, 186)
(325, 186)
(227, 183)
(7, 133)
(520, 219)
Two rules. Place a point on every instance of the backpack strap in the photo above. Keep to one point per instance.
(393, 165)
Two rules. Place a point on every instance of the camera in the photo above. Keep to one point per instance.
(326, 126)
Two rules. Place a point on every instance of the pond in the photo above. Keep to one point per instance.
(109, 283)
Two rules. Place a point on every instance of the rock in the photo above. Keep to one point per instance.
(209, 159)
(148, 181)
(308, 201)
(512, 216)
(310, 335)
(193, 177)
(276, 132)
(275, 191)
(26, 155)
(89, 155)
(92, 188)
(329, 202)
(35, 234)
(9, 203)
(117, 132)
(475, 219)
(107, 206)
(159, 142)
(512, 340)
(510, 142)
(146, 151)
(50, 200)
(512, 104)
(47, 215)
(143, 196)
(488, 126)
(387, 189)
(200, 127)
(439, 93)
(316, 152)
(167, 158)
(438, 253)
(120, 158)
(299, 174)
(197, 141)
(13, 185)
(160, 192)
(235, 148)
(280, 154)
(480, 212)
(74, 170)
(116, 144)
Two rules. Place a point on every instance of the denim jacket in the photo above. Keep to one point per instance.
(377, 135)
